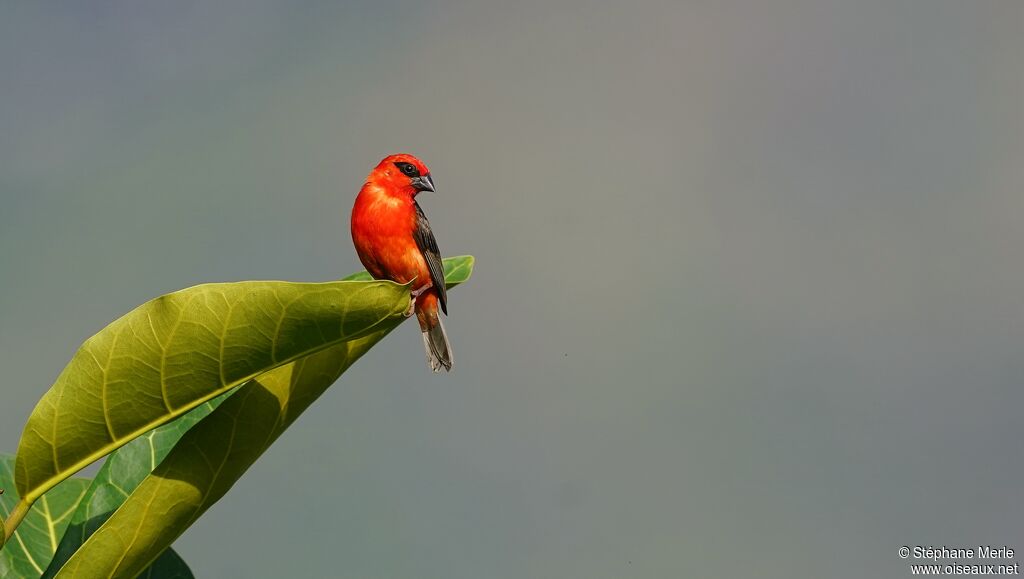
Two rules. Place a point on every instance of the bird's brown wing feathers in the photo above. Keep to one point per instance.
(428, 247)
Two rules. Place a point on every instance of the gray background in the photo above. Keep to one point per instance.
(749, 298)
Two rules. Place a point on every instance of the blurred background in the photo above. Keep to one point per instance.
(748, 298)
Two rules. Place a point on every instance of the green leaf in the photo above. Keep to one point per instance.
(173, 353)
(27, 553)
(211, 456)
(122, 472)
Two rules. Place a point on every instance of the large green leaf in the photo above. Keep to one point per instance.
(215, 453)
(173, 353)
(122, 472)
(28, 552)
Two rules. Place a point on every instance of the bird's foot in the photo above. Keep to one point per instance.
(418, 292)
(415, 294)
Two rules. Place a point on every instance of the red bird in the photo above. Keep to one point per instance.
(394, 241)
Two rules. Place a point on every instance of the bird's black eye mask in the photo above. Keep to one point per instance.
(408, 169)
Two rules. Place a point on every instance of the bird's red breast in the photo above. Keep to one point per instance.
(383, 224)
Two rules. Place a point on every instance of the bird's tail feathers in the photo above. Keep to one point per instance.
(439, 350)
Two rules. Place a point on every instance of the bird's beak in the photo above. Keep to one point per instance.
(424, 183)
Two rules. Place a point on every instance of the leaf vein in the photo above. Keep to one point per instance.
(163, 351)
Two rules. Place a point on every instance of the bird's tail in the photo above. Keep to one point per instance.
(435, 340)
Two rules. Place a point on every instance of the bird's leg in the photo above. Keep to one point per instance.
(416, 294)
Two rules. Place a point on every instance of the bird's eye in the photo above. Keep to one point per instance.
(408, 168)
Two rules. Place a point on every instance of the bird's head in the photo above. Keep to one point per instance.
(402, 174)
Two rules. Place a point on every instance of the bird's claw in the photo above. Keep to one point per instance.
(415, 294)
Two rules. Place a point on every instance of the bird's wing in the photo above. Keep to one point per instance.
(428, 247)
